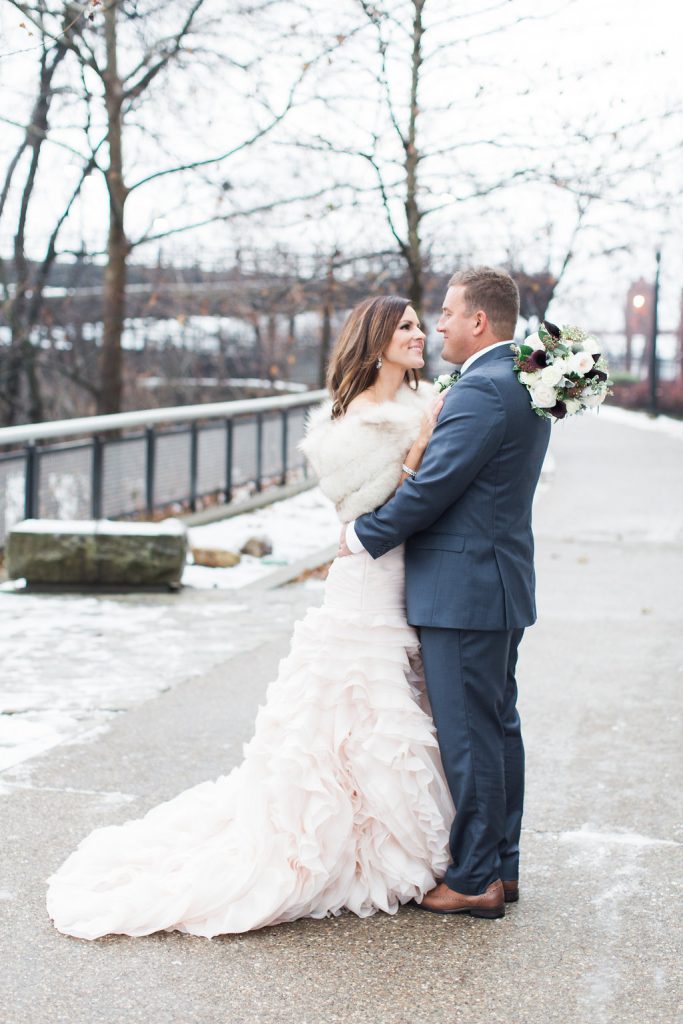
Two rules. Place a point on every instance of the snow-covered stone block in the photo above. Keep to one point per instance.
(97, 552)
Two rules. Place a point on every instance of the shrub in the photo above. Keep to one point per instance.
(636, 395)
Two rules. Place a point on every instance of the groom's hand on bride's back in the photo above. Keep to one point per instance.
(343, 548)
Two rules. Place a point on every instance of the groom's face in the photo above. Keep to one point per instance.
(459, 327)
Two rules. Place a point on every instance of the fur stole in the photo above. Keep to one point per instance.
(358, 457)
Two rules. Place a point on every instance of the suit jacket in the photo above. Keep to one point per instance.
(466, 517)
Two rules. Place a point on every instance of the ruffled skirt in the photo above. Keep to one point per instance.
(340, 801)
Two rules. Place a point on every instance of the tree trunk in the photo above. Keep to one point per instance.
(411, 165)
(114, 298)
(326, 329)
(21, 358)
(271, 335)
(288, 360)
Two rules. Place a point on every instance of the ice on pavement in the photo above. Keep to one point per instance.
(70, 663)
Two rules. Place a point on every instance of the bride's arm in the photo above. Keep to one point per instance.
(413, 459)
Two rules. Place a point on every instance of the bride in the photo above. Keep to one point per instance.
(340, 801)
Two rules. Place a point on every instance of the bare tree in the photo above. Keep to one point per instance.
(432, 168)
(401, 47)
(23, 297)
(93, 37)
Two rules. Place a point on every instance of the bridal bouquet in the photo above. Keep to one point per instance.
(563, 371)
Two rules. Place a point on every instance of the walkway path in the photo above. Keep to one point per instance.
(597, 934)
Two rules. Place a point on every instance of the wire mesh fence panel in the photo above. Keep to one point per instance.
(244, 452)
(65, 482)
(12, 485)
(296, 421)
(272, 446)
(116, 475)
(211, 460)
(123, 477)
(172, 467)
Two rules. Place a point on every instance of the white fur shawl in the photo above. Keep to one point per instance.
(358, 457)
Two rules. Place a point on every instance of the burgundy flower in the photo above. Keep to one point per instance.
(599, 374)
(538, 359)
(559, 411)
(552, 329)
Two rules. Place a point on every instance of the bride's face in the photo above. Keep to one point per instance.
(406, 347)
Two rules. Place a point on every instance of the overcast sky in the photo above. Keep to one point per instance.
(586, 93)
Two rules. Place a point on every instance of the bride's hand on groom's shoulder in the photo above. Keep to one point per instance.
(429, 420)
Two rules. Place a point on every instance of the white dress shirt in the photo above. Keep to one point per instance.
(352, 540)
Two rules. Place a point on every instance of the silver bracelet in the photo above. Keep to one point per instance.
(408, 470)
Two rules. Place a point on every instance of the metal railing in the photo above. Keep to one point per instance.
(151, 462)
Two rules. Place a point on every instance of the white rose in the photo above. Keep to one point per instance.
(592, 399)
(591, 345)
(580, 362)
(443, 381)
(528, 378)
(554, 373)
(543, 396)
(573, 406)
(534, 342)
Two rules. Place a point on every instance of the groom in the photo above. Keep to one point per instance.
(466, 521)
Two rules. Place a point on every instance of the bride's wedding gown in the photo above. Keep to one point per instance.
(340, 800)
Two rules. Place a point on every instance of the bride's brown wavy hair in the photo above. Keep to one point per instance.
(369, 327)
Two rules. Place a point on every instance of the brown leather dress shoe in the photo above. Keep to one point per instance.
(442, 900)
(511, 890)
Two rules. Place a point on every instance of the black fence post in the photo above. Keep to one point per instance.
(150, 452)
(194, 464)
(96, 477)
(285, 446)
(31, 482)
(259, 451)
(653, 367)
(228, 461)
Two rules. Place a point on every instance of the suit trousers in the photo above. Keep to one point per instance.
(470, 677)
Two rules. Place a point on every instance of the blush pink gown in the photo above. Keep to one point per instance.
(340, 800)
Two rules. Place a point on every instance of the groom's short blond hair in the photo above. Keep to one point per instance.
(495, 293)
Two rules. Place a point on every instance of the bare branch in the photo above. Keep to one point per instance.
(138, 87)
(497, 29)
(63, 38)
(51, 251)
(386, 204)
(208, 161)
(232, 215)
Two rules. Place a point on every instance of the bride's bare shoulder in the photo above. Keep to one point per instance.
(362, 401)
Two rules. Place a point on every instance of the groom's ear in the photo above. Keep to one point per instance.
(480, 322)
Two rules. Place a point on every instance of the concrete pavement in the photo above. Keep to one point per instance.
(597, 934)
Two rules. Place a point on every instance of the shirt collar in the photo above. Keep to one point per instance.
(489, 348)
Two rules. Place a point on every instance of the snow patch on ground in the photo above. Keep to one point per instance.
(642, 421)
(594, 837)
(296, 527)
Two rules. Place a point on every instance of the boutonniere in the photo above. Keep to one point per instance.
(563, 370)
(445, 381)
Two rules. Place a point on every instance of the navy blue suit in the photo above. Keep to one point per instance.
(466, 522)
